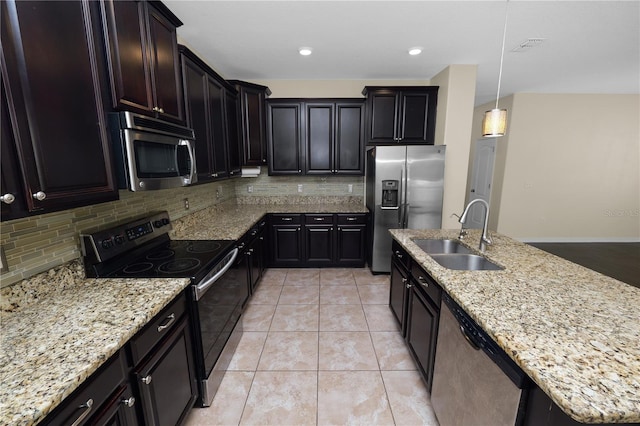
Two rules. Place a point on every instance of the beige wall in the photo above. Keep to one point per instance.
(569, 169)
(453, 129)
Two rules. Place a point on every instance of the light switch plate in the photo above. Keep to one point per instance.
(4, 267)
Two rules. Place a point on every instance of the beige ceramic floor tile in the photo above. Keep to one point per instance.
(295, 318)
(266, 295)
(339, 295)
(257, 317)
(391, 351)
(273, 276)
(409, 398)
(290, 350)
(299, 295)
(282, 398)
(342, 318)
(352, 398)
(346, 350)
(380, 318)
(374, 294)
(228, 403)
(336, 276)
(303, 276)
(248, 352)
(365, 277)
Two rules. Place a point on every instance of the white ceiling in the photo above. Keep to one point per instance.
(589, 46)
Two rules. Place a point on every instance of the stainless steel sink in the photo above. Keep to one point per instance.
(465, 262)
(434, 246)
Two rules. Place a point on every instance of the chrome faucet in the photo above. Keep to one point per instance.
(484, 240)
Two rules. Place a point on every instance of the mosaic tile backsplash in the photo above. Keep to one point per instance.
(38, 243)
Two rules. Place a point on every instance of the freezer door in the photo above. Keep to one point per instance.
(422, 205)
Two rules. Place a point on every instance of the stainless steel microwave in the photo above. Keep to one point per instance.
(150, 153)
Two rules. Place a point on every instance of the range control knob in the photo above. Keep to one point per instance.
(157, 223)
(165, 221)
(119, 239)
(106, 244)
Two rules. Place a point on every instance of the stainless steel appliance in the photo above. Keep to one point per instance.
(474, 380)
(404, 187)
(151, 153)
(141, 248)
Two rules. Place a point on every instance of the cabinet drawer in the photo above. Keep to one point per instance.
(352, 219)
(157, 328)
(431, 288)
(82, 405)
(400, 255)
(285, 219)
(317, 219)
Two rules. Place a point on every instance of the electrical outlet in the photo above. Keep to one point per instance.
(299, 187)
(220, 191)
(186, 204)
(249, 189)
(218, 194)
(4, 267)
(350, 188)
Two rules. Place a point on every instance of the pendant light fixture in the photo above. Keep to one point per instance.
(494, 123)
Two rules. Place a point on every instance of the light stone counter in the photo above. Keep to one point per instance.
(231, 221)
(574, 331)
(58, 328)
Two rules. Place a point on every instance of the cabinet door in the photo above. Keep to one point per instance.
(64, 157)
(167, 381)
(319, 138)
(119, 411)
(284, 124)
(286, 245)
(417, 119)
(254, 151)
(422, 329)
(197, 115)
(127, 55)
(398, 294)
(217, 129)
(351, 245)
(382, 113)
(163, 49)
(233, 143)
(13, 198)
(319, 245)
(349, 149)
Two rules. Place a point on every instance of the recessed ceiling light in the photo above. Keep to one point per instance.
(305, 51)
(415, 51)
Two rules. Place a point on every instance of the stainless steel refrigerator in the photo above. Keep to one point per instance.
(404, 186)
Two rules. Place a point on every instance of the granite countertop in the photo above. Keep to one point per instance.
(574, 331)
(53, 340)
(232, 221)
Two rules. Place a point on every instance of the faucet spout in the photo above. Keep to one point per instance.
(485, 239)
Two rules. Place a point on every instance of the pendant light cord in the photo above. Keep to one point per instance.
(504, 38)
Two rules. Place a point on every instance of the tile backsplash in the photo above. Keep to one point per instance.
(38, 243)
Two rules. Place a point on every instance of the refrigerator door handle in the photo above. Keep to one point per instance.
(401, 199)
(405, 219)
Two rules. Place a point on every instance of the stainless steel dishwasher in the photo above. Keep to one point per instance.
(474, 380)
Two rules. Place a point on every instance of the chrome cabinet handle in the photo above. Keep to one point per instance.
(129, 402)
(287, 219)
(398, 255)
(423, 281)
(318, 218)
(39, 195)
(146, 380)
(158, 109)
(167, 322)
(8, 198)
(351, 219)
(87, 409)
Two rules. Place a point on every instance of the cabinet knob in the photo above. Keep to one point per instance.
(398, 255)
(423, 281)
(299, 171)
(8, 198)
(39, 195)
(408, 285)
(129, 402)
(158, 109)
(146, 380)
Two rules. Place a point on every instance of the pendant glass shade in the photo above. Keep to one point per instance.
(494, 123)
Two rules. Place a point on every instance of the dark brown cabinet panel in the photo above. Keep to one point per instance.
(233, 142)
(351, 239)
(143, 57)
(349, 138)
(402, 115)
(284, 137)
(57, 115)
(216, 103)
(166, 381)
(252, 115)
(319, 240)
(12, 198)
(398, 293)
(422, 329)
(319, 138)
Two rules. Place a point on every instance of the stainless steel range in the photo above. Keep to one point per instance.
(141, 248)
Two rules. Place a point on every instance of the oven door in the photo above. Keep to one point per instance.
(217, 326)
(155, 161)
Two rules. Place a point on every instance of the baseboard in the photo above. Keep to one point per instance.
(579, 239)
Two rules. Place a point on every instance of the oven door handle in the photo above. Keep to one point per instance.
(202, 288)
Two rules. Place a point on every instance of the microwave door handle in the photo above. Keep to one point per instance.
(192, 157)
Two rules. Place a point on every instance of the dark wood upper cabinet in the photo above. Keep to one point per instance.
(233, 142)
(401, 115)
(12, 200)
(143, 57)
(349, 138)
(284, 137)
(252, 116)
(53, 87)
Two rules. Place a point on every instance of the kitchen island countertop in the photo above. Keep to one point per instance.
(574, 331)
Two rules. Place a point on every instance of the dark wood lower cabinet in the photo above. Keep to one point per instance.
(120, 411)
(166, 381)
(319, 244)
(398, 294)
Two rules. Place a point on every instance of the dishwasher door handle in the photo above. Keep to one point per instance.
(468, 338)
